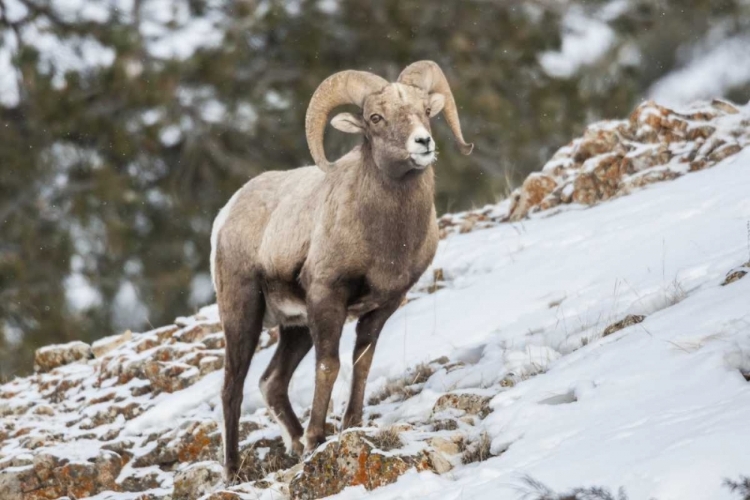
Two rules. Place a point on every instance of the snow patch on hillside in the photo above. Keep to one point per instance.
(523, 320)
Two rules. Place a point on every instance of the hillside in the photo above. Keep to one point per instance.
(126, 125)
(557, 340)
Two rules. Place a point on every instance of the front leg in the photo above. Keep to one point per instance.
(327, 314)
(368, 331)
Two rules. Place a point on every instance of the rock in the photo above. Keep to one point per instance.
(198, 441)
(534, 189)
(440, 464)
(153, 496)
(263, 457)
(80, 480)
(351, 462)
(166, 377)
(648, 177)
(107, 344)
(214, 341)
(723, 152)
(197, 332)
(51, 477)
(700, 132)
(447, 424)
(111, 412)
(600, 180)
(736, 274)
(50, 357)
(45, 410)
(595, 141)
(648, 158)
(724, 106)
(140, 480)
(211, 364)
(224, 495)
(14, 481)
(197, 480)
(472, 404)
(286, 476)
(445, 446)
(629, 320)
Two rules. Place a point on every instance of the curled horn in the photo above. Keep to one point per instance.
(428, 76)
(345, 87)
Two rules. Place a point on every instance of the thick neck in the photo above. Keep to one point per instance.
(410, 193)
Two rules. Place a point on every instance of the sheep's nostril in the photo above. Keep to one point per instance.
(424, 141)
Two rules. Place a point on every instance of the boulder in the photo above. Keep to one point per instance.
(472, 404)
(107, 344)
(351, 461)
(629, 320)
(50, 357)
(51, 477)
(197, 480)
(534, 189)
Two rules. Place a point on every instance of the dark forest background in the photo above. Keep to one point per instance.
(111, 173)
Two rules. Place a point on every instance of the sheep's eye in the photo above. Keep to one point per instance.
(375, 118)
(428, 111)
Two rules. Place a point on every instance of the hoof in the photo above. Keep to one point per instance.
(355, 421)
(231, 477)
(295, 449)
(311, 444)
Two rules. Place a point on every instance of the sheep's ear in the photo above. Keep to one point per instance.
(437, 101)
(347, 122)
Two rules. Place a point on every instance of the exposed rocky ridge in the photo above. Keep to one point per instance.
(64, 430)
(614, 157)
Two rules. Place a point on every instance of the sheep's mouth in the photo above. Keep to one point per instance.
(423, 160)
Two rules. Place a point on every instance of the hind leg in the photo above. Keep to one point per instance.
(242, 307)
(294, 343)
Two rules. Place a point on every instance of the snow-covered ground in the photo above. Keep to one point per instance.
(659, 408)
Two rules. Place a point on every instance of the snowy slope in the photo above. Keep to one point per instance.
(659, 407)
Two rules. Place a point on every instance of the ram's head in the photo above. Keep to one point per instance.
(394, 119)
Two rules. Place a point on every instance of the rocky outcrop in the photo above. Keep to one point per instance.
(75, 428)
(472, 404)
(51, 357)
(48, 476)
(196, 480)
(613, 158)
(352, 461)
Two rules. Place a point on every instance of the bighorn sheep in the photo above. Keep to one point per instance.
(305, 248)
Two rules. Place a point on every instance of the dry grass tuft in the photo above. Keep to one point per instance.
(387, 439)
(477, 451)
(447, 424)
(404, 387)
(675, 293)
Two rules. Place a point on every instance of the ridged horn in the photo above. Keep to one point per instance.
(345, 87)
(428, 76)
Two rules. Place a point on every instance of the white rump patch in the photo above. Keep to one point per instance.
(218, 224)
